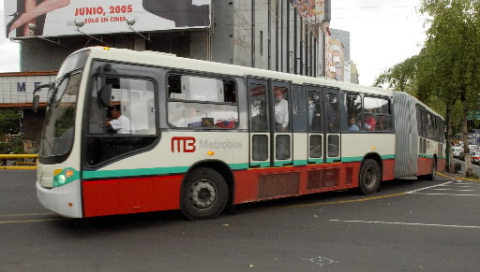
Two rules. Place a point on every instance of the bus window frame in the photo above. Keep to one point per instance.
(119, 70)
(223, 78)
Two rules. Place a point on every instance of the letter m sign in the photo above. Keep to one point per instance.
(183, 144)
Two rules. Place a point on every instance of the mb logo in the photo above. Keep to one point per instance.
(183, 144)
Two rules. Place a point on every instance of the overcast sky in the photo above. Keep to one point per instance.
(382, 34)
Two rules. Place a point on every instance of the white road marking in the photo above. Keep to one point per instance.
(404, 224)
(426, 188)
(443, 194)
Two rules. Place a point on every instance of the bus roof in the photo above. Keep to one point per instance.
(172, 61)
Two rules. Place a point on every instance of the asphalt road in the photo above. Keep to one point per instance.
(409, 226)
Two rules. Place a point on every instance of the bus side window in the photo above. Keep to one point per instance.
(132, 120)
(354, 111)
(230, 91)
(201, 102)
(174, 87)
(314, 111)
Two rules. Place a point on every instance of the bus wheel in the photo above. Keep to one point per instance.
(433, 172)
(204, 194)
(370, 177)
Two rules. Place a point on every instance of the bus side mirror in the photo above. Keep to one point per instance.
(105, 92)
(105, 95)
(36, 99)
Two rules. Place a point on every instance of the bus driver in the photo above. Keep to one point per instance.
(119, 123)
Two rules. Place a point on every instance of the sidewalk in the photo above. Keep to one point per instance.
(457, 176)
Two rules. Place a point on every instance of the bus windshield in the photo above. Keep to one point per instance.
(58, 133)
(57, 138)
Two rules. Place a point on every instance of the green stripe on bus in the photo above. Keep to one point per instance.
(183, 169)
(359, 159)
(352, 159)
(147, 171)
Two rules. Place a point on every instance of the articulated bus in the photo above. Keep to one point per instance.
(199, 136)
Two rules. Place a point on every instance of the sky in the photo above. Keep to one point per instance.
(383, 33)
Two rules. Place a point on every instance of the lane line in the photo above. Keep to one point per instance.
(404, 224)
(31, 221)
(25, 214)
(344, 201)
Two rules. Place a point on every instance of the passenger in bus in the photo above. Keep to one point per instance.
(311, 109)
(370, 121)
(331, 118)
(119, 123)
(281, 124)
(383, 124)
(281, 111)
(351, 124)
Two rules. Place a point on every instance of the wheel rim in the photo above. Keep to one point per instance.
(202, 193)
(370, 177)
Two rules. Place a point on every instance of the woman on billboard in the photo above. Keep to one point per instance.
(32, 12)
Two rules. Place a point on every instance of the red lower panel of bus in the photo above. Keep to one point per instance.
(262, 184)
(424, 166)
(147, 194)
(441, 165)
(131, 195)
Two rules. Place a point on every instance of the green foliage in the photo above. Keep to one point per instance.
(9, 121)
(445, 74)
(14, 144)
(400, 77)
(449, 65)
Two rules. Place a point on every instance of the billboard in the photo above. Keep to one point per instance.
(53, 18)
(310, 9)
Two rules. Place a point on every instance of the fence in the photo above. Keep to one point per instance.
(19, 165)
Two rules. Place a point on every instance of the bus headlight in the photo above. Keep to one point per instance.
(64, 176)
(61, 179)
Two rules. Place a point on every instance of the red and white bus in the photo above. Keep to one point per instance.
(198, 136)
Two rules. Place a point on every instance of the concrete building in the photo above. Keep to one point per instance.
(350, 73)
(277, 35)
(338, 59)
(288, 36)
(344, 38)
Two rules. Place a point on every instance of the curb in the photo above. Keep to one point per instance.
(457, 178)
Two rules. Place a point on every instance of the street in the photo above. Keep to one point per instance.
(409, 225)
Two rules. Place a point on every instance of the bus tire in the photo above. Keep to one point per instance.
(370, 177)
(204, 194)
(433, 172)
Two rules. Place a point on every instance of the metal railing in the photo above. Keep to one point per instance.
(20, 165)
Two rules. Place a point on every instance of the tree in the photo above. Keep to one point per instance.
(400, 77)
(444, 75)
(9, 122)
(448, 67)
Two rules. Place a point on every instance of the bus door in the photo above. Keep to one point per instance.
(323, 125)
(259, 123)
(316, 125)
(270, 128)
(332, 122)
(280, 123)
